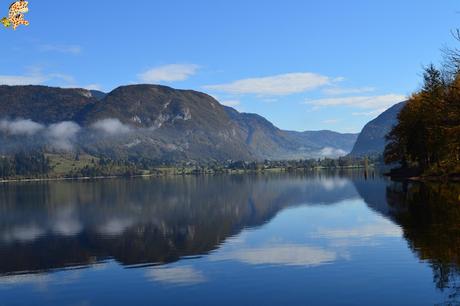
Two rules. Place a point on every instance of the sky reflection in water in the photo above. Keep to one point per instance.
(321, 239)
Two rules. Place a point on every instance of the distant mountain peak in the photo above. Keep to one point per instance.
(371, 140)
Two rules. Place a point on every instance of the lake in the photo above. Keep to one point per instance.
(324, 238)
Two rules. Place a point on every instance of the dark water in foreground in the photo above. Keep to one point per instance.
(320, 239)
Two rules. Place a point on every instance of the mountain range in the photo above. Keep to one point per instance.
(151, 121)
(162, 123)
(371, 140)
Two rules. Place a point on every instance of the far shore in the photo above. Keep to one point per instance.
(163, 174)
(171, 172)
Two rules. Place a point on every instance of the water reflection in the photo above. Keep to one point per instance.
(282, 254)
(185, 275)
(429, 214)
(59, 224)
(270, 233)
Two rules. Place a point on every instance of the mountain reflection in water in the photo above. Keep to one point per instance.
(48, 228)
(59, 224)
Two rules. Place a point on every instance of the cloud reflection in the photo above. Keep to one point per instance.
(383, 228)
(115, 226)
(186, 275)
(24, 233)
(67, 223)
(282, 254)
(333, 183)
(40, 280)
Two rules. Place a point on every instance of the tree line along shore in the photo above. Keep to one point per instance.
(39, 165)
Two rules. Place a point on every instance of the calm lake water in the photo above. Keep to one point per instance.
(318, 239)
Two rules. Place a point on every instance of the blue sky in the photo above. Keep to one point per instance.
(304, 65)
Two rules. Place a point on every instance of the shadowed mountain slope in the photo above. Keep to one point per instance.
(163, 123)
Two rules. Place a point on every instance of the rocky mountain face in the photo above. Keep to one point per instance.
(157, 122)
(371, 140)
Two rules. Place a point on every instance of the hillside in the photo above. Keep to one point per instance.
(155, 122)
(371, 140)
(44, 104)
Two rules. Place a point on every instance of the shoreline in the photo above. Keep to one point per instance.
(417, 175)
(161, 173)
(434, 178)
(51, 179)
(428, 178)
(89, 178)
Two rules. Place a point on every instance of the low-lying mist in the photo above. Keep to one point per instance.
(62, 136)
(109, 137)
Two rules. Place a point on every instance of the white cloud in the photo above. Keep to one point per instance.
(286, 255)
(336, 91)
(62, 135)
(366, 102)
(24, 127)
(186, 275)
(332, 152)
(61, 76)
(93, 87)
(74, 84)
(70, 49)
(371, 113)
(168, 73)
(111, 126)
(278, 85)
(14, 80)
(231, 103)
(36, 77)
